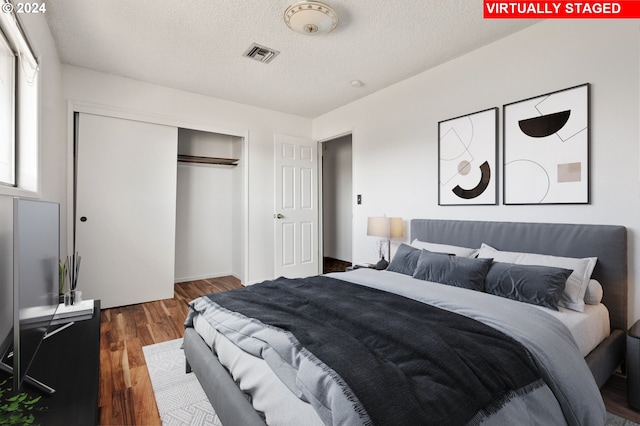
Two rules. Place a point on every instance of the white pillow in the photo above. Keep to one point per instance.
(573, 295)
(444, 248)
(594, 293)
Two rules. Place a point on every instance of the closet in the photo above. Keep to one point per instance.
(152, 207)
(209, 205)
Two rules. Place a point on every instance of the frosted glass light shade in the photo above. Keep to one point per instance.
(310, 17)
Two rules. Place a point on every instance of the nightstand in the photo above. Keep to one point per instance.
(633, 366)
(69, 361)
(353, 267)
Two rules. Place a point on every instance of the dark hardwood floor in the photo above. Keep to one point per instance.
(614, 393)
(330, 264)
(126, 396)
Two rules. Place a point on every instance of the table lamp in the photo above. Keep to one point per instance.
(385, 228)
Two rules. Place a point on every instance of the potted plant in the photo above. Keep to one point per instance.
(62, 277)
(17, 408)
(73, 296)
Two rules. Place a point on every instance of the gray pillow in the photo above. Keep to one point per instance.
(456, 271)
(534, 284)
(405, 260)
(573, 296)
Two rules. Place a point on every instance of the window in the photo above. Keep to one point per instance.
(7, 115)
(18, 108)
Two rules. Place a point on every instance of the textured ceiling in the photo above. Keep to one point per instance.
(197, 45)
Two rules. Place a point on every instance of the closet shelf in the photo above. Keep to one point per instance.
(207, 160)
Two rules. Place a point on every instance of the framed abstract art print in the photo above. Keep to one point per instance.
(467, 157)
(546, 148)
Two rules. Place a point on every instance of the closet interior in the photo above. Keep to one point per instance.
(208, 205)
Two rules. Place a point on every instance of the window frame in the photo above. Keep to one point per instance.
(11, 119)
(26, 109)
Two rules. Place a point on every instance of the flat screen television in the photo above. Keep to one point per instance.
(36, 253)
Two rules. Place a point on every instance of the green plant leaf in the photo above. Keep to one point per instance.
(18, 398)
(17, 409)
(33, 401)
(14, 406)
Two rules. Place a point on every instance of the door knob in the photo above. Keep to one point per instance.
(83, 219)
(279, 216)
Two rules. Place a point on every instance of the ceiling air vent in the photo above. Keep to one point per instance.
(260, 53)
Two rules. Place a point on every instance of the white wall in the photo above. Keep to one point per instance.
(395, 129)
(52, 157)
(85, 86)
(237, 224)
(337, 198)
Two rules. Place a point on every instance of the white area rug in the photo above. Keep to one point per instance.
(179, 396)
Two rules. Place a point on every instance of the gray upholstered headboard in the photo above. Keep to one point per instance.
(606, 242)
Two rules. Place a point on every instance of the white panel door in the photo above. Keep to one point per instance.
(125, 209)
(296, 201)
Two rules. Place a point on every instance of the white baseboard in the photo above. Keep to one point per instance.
(206, 276)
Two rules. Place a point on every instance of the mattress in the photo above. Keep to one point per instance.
(273, 399)
(588, 328)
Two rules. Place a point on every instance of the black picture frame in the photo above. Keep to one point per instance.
(468, 159)
(546, 158)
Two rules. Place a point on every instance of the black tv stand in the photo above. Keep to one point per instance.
(69, 362)
(28, 380)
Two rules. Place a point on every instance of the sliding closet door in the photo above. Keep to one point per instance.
(125, 209)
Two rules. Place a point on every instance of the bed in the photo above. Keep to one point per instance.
(606, 243)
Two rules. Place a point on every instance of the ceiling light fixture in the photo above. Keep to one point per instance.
(310, 17)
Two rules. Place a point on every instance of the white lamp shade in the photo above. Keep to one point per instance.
(385, 227)
(379, 227)
(396, 230)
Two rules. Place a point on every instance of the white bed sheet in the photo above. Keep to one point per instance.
(271, 397)
(588, 328)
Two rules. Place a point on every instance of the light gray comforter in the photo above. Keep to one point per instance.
(570, 396)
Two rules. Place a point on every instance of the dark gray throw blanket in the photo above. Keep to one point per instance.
(407, 363)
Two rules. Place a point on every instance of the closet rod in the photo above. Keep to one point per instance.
(207, 160)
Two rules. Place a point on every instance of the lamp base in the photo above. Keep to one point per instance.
(382, 264)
